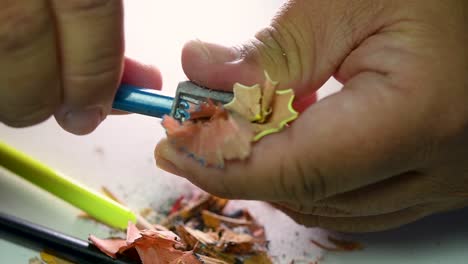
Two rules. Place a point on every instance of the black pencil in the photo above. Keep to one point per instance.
(38, 237)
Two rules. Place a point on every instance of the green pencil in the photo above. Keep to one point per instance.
(95, 204)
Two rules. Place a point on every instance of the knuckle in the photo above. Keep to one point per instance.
(315, 184)
(283, 186)
(98, 80)
(428, 152)
(299, 181)
(311, 181)
(94, 72)
(280, 48)
(20, 26)
(100, 62)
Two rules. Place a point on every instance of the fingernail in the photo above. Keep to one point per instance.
(214, 53)
(82, 122)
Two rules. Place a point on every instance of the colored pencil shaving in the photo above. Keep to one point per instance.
(196, 231)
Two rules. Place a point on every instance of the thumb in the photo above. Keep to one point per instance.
(295, 50)
(302, 48)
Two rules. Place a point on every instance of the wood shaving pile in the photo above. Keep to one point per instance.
(196, 231)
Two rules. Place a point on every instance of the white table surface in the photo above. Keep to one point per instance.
(119, 154)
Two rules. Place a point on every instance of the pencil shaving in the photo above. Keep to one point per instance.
(217, 133)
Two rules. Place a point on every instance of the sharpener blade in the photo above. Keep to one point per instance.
(189, 94)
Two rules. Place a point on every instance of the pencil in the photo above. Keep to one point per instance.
(38, 237)
(93, 203)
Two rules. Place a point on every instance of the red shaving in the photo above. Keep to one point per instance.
(109, 246)
(206, 110)
(153, 247)
(132, 233)
(177, 205)
(218, 239)
(157, 247)
(223, 136)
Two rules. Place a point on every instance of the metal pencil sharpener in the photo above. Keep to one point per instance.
(190, 95)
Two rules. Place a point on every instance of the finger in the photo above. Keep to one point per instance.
(373, 223)
(29, 83)
(359, 136)
(91, 45)
(364, 223)
(227, 185)
(216, 66)
(300, 49)
(388, 196)
(140, 75)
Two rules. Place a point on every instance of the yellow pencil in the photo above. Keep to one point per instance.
(93, 203)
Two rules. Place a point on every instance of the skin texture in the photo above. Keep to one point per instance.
(63, 58)
(388, 149)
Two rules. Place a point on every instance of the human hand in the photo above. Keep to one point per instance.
(388, 149)
(63, 58)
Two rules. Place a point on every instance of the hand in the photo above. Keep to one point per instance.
(62, 58)
(389, 148)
